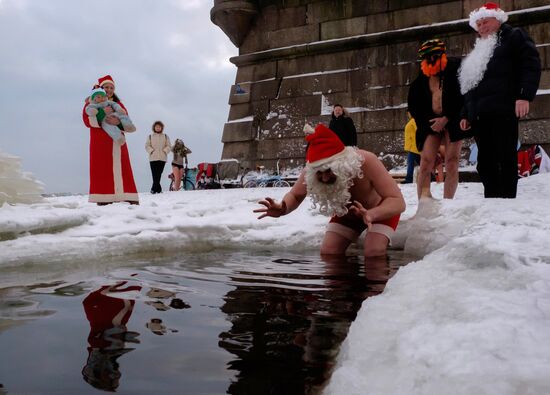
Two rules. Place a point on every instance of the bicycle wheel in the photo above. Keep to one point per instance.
(250, 184)
(281, 183)
(189, 185)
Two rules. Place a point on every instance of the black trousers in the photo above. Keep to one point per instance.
(497, 161)
(157, 167)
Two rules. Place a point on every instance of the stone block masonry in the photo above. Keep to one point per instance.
(297, 58)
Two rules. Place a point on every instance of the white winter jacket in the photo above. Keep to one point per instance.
(158, 146)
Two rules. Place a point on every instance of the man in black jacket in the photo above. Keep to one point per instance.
(435, 102)
(498, 79)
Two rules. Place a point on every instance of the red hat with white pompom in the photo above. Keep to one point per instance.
(324, 146)
(105, 79)
(488, 10)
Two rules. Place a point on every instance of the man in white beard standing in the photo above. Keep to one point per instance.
(498, 80)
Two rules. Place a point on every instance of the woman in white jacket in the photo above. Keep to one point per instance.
(158, 147)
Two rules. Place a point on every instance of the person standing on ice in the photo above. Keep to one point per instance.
(158, 147)
(342, 124)
(435, 102)
(111, 176)
(351, 186)
(498, 80)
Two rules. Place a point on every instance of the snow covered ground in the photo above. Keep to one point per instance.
(470, 317)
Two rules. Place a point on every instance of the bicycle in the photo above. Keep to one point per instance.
(266, 180)
(186, 184)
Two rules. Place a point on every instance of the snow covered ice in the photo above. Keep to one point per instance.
(471, 316)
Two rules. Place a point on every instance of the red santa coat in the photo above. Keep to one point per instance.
(111, 177)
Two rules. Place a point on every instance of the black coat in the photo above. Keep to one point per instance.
(420, 103)
(513, 73)
(344, 128)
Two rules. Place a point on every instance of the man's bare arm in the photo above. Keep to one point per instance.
(289, 203)
(392, 202)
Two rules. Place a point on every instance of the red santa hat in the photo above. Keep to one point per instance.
(105, 79)
(488, 10)
(324, 146)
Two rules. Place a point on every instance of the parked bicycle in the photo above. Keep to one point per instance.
(262, 180)
(187, 180)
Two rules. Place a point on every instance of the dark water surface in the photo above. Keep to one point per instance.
(212, 323)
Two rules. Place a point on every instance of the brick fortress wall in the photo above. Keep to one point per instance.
(297, 58)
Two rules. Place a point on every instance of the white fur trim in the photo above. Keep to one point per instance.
(117, 168)
(342, 230)
(383, 229)
(308, 129)
(483, 12)
(111, 197)
(98, 90)
(107, 82)
(339, 156)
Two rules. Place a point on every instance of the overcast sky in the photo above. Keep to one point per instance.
(168, 60)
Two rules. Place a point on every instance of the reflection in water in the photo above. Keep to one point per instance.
(108, 317)
(286, 332)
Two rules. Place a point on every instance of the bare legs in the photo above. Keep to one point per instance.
(452, 155)
(336, 244)
(178, 174)
(427, 161)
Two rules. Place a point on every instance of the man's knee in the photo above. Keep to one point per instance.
(334, 244)
(427, 164)
(376, 244)
(373, 251)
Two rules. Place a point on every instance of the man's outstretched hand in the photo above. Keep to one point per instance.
(360, 211)
(272, 208)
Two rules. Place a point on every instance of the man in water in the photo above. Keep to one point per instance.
(498, 80)
(352, 187)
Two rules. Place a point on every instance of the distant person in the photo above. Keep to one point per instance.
(343, 126)
(179, 163)
(498, 79)
(158, 147)
(435, 103)
(351, 186)
(111, 176)
(98, 101)
(413, 156)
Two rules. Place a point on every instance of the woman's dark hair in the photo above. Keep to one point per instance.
(157, 123)
(116, 99)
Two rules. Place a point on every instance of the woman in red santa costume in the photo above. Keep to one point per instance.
(111, 177)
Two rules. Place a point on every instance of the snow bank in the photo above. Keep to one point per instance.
(472, 316)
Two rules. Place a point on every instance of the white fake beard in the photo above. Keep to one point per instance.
(473, 67)
(334, 198)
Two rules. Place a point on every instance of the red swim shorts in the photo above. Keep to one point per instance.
(350, 226)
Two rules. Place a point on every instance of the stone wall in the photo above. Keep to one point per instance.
(296, 58)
